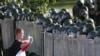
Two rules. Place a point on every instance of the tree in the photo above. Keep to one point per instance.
(40, 5)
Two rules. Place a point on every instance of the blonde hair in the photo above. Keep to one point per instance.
(18, 30)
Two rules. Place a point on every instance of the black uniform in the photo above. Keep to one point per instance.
(12, 51)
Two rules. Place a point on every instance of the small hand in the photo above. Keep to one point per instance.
(30, 38)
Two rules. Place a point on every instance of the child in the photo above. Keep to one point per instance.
(21, 52)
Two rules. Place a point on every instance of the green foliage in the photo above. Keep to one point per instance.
(2, 0)
(40, 5)
(65, 0)
(52, 1)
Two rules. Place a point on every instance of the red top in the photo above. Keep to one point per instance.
(24, 48)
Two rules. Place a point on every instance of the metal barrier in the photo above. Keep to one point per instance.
(7, 28)
(48, 44)
(62, 45)
(51, 44)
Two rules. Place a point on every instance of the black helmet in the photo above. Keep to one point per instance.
(98, 33)
(90, 21)
(49, 28)
(83, 14)
(73, 32)
(97, 28)
(87, 28)
(80, 3)
(92, 35)
(67, 22)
